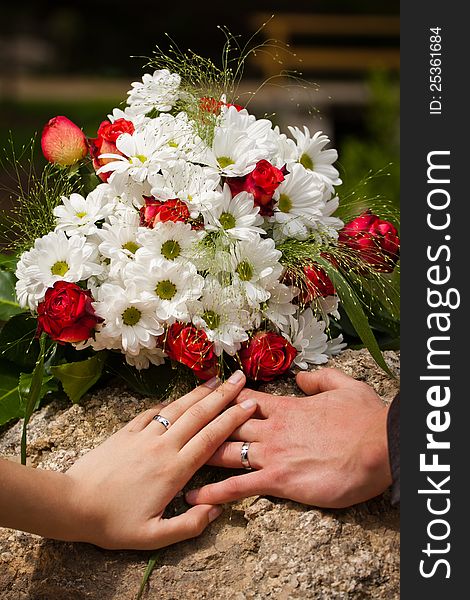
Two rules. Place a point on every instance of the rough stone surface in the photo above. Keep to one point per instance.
(261, 548)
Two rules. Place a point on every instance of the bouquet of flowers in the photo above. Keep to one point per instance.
(208, 242)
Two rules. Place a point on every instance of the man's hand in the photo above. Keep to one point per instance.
(328, 449)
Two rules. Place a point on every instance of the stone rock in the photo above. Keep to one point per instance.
(261, 548)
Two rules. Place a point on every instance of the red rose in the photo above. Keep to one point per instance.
(262, 182)
(211, 105)
(376, 240)
(266, 356)
(105, 143)
(190, 346)
(156, 211)
(313, 283)
(62, 142)
(66, 314)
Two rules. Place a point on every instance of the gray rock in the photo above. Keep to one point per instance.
(261, 548)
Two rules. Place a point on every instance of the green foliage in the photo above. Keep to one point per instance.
(376, 154)
(154, 381)
(17, 342)
(8, 304)
(78, 377)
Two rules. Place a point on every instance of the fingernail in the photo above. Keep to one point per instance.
(191, 496)
(236, 377)
(246, 404)
(214, 513)
(213, 383)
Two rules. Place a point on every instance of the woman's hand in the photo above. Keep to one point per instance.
(115, 495)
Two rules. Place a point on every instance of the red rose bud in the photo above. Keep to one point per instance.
(62, 142)
(312, 283)
(67, 314)
(262, 182)
(188, 345)
(211, 105)
(266, 356)
(156, 211)
(376, 240)
(105, 142)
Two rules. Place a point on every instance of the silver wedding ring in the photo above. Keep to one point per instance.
(165, 422)
(244, 456)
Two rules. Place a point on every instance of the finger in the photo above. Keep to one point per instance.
(323, 380)
(264, 401)
(228, 455)
(192, 523)
(173, 411)
(200, 414)
(233, 488)
(202, 446)
(250, 431)
(143, 419)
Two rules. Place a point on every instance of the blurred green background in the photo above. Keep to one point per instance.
(79, 59)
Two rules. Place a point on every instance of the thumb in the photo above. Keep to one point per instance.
(188, 525)
(323, 380)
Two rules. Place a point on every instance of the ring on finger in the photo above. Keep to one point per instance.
(165, 422)
(244, 456)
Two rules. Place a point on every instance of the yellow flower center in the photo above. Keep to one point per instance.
(59, 268)
(131, 316)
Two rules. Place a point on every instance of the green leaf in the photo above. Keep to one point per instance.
(30, 391)
(8, 262)
(148, 571)
(355, 312)
(10, 406)
(18, 343)
(78, 377)
(8, 304)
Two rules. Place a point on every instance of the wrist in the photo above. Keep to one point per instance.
(374, 452)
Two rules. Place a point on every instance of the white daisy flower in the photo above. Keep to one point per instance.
(79, 215)
(130, 322)
(330, 225)
(220, 314)
(146, 357)
(168, 241)
(255, 268)
(299, 204)
(143, 154)
(171, 286)
(159, 91)
(312, 156)
(235, 154)
(54, 257)
(279, 306)
(237, 216)
(195, 185)
(308, 337)
(335, 346)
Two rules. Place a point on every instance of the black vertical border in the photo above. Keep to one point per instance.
(422, 133)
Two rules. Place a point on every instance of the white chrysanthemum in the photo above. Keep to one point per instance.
(118, 241)
(312, 156)
(155, 356)
(79, 215)
(327, 305)
(171, 285)
(285, 150)
(335, 346)
(118, 113)
(130, 322)
(221, 315)
(308, 337)
(299, 204)
(237, 216)
(235, 154)
(279, 306)
(255, 268)
(241, 121)
(54, 257)
(159, 91)
(168, 241)
(330, 225)
(144, 153)
(195, 185)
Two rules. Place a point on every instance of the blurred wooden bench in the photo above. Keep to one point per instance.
(354, 53)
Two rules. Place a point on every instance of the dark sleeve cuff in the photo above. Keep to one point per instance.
(393, 434)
